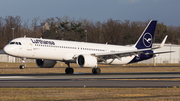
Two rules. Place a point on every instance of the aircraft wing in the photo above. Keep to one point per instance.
(104, 56)
(162, 43)
(109, 55)
(160, 52)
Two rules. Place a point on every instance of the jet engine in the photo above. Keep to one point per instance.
(86, 61)
(45, 63)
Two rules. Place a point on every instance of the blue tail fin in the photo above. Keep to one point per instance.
(146, 38)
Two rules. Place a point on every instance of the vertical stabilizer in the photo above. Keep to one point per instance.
(146, 38)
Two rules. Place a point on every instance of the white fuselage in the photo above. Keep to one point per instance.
(60, 50)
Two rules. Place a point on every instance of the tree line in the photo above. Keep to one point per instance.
(64, 28)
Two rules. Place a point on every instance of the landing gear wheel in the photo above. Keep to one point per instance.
(21, 66)
(96, 70)
(69, 70)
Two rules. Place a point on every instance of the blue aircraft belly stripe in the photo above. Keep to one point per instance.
(142, 57)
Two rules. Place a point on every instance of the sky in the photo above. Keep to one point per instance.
(166, 11)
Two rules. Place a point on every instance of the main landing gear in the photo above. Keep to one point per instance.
(96, 70)
(22, 66)
(69, 70)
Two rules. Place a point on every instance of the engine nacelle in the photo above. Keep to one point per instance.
(45, 63)
(86, 61)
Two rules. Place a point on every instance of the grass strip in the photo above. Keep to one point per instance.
(90, 94)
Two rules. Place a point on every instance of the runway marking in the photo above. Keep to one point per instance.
(14, 77)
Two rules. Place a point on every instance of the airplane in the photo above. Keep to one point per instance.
(47, 52)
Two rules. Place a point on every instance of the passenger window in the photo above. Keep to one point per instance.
(16, 43)
(19, 43)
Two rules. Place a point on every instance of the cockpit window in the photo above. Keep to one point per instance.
(12, 43)
(16, 43)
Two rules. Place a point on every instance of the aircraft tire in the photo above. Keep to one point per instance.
(69, 70)
(21, 66)
(96, 70)
(93, 70)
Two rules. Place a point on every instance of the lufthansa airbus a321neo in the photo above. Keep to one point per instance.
(47, 52)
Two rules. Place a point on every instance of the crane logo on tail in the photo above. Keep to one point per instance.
(147, 40)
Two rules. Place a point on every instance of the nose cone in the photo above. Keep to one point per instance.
(8, 50)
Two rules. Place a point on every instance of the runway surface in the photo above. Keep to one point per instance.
(90, 80)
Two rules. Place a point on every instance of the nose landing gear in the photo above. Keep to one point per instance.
(23, 61)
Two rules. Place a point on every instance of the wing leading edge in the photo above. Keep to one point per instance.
(109, 55)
